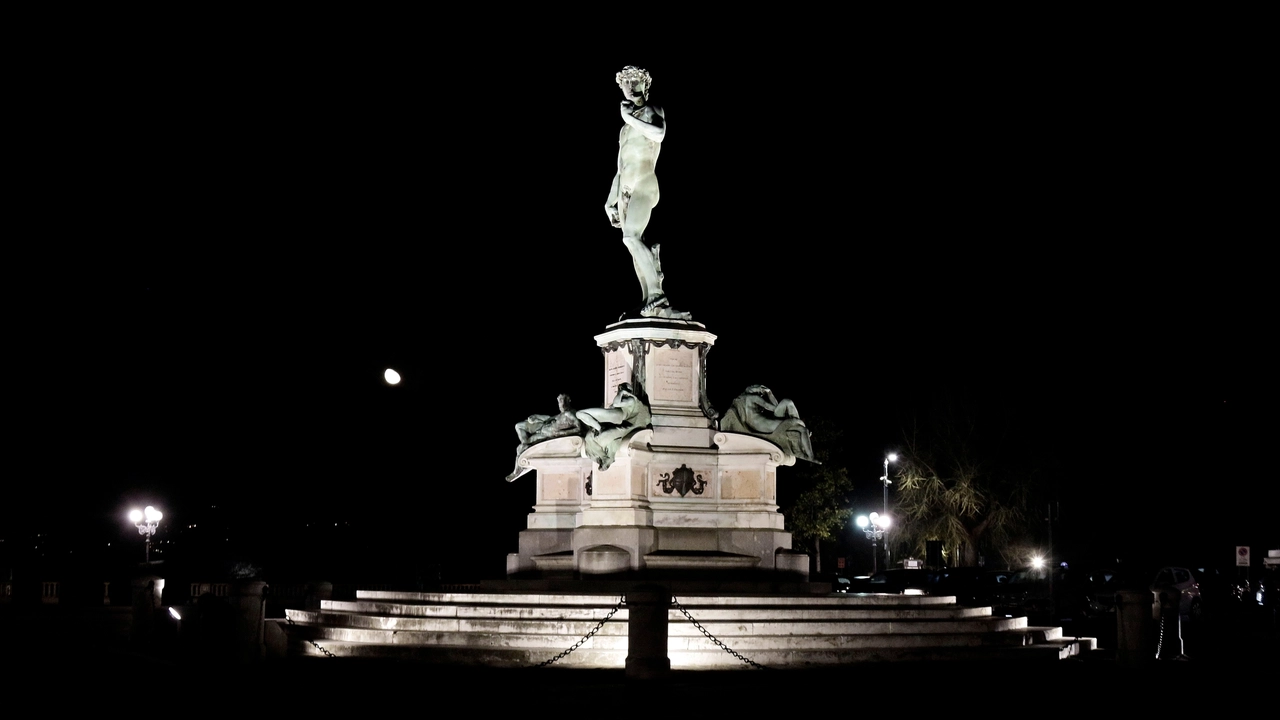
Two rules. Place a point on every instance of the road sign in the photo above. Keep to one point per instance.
(1242, 555)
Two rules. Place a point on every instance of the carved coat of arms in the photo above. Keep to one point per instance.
(682, 480)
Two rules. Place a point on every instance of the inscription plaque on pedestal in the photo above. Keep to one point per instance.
(673, 375)
(616, 372)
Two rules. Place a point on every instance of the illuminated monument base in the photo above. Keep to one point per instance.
(678, 495)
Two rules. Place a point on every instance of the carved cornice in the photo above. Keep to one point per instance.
(637, 345)
(674, 344)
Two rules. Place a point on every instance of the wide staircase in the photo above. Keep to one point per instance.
(525, 629)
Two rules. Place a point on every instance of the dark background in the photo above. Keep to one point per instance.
(223, 240)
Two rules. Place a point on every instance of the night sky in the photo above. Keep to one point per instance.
(234, 243)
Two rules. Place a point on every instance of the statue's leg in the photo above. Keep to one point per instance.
(786, 409)
(639, 208)
(588, 419)
(648, 269)
(642, 259)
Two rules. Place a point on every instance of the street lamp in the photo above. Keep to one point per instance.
(874, 528)
(884, 509)
(891, 457)
(146, 521)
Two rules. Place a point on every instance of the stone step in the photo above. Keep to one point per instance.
(685, 660)
(575, 612)
(522, 629)
(615, 641)
(548, 599)
(677, 625)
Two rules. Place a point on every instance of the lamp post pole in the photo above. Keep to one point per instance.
(891, 457)
(146, 521)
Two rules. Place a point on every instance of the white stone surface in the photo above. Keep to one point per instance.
(604, 559)
(688, 331)
(522, 629)
(673, 371)
(729, 504)
(736, 511)
(560, 485)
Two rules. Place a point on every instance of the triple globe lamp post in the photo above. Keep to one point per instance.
(876, 525)
(146, 521)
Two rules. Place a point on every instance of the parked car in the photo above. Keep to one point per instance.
(1075, 593)
(899, 581)
(971, 585)
(1267, 590)
(1178, 585)
(1221, 590)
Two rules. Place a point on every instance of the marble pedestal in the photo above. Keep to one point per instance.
(680, 495)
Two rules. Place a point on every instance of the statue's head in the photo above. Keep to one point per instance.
(757, 390)
(564, 402)
(635, 82)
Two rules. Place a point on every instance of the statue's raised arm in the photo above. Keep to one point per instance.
(634, 192)
(648, 119)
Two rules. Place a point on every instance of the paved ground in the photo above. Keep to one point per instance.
(334, 687)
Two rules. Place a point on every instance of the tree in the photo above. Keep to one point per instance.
(821, 509)
(946, 493)
(823, 506)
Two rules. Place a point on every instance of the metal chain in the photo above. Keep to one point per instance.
(1160, 638)
(314, 644)
(319, 647)
(714, 639)
(621, 601)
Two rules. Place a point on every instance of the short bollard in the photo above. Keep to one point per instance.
(148, 591)
(1133, 627)
(647, 607)
(248, 601)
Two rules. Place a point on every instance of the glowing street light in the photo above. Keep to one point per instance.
(891, 457)
(884, 508)
(146, 521)
(391, 376)
(874, 527)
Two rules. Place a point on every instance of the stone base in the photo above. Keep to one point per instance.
(677, 507)
(679, 497)
(562, 551)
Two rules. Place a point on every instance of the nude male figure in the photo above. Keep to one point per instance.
(537, 428)
(635, 187)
